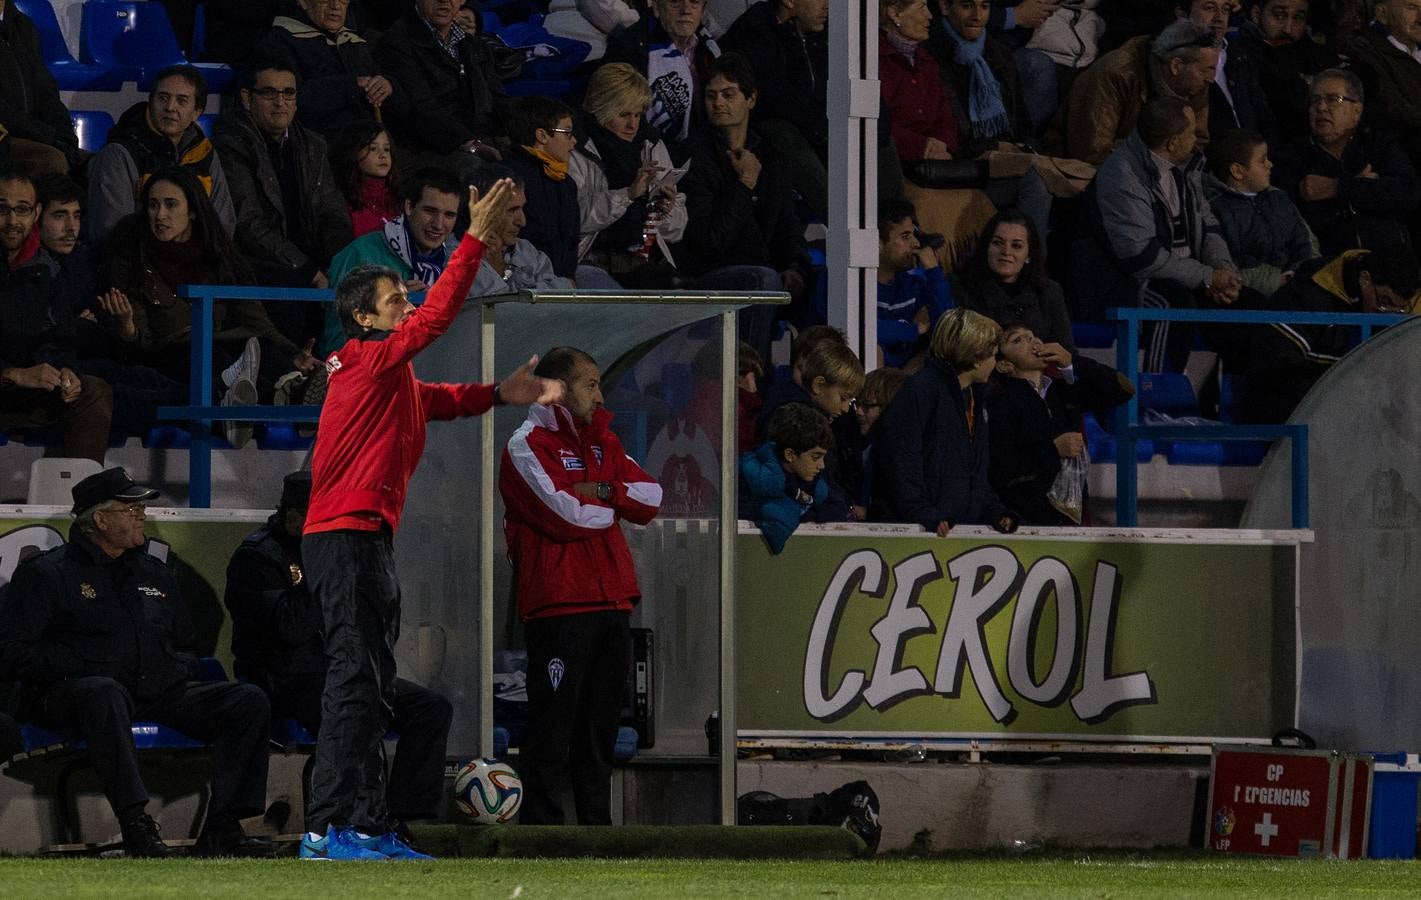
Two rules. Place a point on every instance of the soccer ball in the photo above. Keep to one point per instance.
(488, 791)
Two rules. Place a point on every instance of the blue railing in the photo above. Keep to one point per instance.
(1127, 417)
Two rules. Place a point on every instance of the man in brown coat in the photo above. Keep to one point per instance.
(1106, 99)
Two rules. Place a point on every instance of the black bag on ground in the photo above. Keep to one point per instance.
(853, 807)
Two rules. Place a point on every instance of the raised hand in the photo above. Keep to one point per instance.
(487, 214)
(523, 387)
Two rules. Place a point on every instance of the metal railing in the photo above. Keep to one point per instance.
(1128, 429)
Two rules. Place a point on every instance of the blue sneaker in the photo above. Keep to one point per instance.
(339, 845)
(390, 846)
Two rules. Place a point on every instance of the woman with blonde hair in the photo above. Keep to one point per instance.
(932, 457)
(627, 223)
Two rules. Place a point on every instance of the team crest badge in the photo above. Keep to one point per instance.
(556, 669)
(296, 574)
(86, 590)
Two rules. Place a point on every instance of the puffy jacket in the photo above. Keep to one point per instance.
(568, 551)
(329, 65)
(266, 229)
(928, 468)
(30, 108)
(767, 495)
(372, 426)
(74, 612)
(276, 623)
(1265, 232)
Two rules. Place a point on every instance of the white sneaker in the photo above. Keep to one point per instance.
(242, 392)
(286, 386)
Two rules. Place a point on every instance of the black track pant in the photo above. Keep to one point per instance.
(352, 576)
(577, 677)
(421, 718)
(234, 718)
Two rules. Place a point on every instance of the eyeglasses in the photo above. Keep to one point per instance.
(135, 510)
(560, 130)
(1331, 99)
(271, 93)
(23, 210)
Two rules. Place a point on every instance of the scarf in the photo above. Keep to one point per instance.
(621, 160)
(984, 101)
(554, 169)
(181, 262)
(672, 77)
(908, 49)
(425, 267)
(304, 29)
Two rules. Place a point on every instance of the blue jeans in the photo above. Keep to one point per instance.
(756, 323)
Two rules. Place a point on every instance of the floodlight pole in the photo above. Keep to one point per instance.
(728, 446)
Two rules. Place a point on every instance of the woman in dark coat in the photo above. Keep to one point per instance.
(1006, 281)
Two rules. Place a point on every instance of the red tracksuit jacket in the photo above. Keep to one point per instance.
(372, 425)
(568, 552)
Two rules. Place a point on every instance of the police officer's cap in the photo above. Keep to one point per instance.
(296, 490)
(110, 484)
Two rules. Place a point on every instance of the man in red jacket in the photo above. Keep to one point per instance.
(371, 436)
(566, 484)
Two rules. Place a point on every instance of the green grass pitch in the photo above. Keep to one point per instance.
(1055, 875)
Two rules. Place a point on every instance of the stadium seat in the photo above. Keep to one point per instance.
(137, 39)
(1169, 393)
(68, 73)
(53, 478)
(206, 122)
(1093, 334)
(92, 127)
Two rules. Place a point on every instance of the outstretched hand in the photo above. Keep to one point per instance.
(487, 214)
(523, 387)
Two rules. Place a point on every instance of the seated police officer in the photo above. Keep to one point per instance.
(278, 644)
(92, 631)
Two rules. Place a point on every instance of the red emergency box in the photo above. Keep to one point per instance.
(1266, 800)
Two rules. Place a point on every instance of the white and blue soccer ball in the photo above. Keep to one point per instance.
(488, 791)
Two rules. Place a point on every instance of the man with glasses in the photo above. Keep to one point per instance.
(1275, 34)
(96, 630)
(39, 386)
(1106, 99)
(291, 217)
(1355, 186)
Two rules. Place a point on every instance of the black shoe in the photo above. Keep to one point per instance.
(140, 838)
(224, 837)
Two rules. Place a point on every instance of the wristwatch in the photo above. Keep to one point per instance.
(604, 491)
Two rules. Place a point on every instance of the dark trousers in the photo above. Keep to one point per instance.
(85, 421)
(421, 718)
(234, 718)
(352, 575)
(577, 677)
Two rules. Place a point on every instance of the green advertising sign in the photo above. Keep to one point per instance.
(918, 637)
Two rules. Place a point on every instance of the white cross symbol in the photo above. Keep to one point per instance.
(1266, 829)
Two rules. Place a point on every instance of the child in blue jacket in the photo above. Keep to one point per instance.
(781, 480)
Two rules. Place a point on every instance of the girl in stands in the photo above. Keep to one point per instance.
(363, 160)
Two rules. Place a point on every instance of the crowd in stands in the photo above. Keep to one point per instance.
(1209, 154)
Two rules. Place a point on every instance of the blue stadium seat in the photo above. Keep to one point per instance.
(1168, 392)
(70, 74)
(92, 127)
(137, 39)
(1093, 334)
(206, 122)
(1101, 444)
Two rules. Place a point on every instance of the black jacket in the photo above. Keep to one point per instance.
(959, 82)
(1282, 73)
(1263, 229)
(32, 329)
(74, 612)
(1368, 213)
(927, 467)
(30, 107)
(791, 70)
(266, 230)
(1043, 310)
(731, 225)
(1249, 108)
(1024, 459)
(276, 623)
(1392, 83)
(451, 102)
(554, 221)
(330, 99)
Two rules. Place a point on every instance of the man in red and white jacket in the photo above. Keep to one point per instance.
(566, 484)
(371, 435)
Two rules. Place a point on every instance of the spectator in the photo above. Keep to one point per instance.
(291, 218)
(915, 95)
(363, 164)
(453, 118)
(672, 47)
(1387, 57)
(781, 481)
(590, 21)
(105, 339)
(39, 386)
(1266, 234)
(97, 630)
(42, 138)
(912, 289)
(1275, 35)
(159, 132)
(828, 378)
(417, 245)
(1286, 360)
(879, 388)
(1020, 24)
(931, 468)
(566, 484)
(1031, 429)
(340, 81)
(1149, 237)
(542, 129)
(278, 645)
(986, 91)
(785, 41)
(1006, 281)
(1236, 97)
(1070, 36)
(512, 263)
(742, 232)
(615, 169)
(175, 241)
(1107, 98)
(1353, 185)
